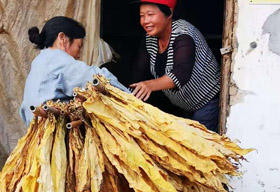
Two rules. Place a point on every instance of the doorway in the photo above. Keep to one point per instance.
(121, 29)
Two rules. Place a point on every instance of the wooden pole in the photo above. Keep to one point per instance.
(228, 29)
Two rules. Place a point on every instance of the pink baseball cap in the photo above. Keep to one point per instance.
(168, 3)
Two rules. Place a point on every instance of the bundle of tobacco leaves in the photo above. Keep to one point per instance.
(108, 140)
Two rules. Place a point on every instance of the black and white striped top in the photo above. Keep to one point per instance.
(204, 82)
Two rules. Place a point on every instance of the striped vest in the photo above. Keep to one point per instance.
(204, 83)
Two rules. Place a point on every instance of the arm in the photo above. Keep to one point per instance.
(144, 89)
(184, 59)
(77, 74)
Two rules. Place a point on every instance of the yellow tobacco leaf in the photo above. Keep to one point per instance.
(112, 150)
(19, 162)
(94, 158)
(74, 152)
(30, 181)
(45, 179)
(58, 159)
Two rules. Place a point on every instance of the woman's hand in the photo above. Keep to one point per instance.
(142, 90)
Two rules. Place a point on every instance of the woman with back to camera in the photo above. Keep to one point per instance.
(56, 70)
(182, 64)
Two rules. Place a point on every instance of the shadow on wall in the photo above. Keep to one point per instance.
(269, 27)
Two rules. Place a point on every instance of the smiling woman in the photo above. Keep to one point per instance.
(120, 27)
(56, 71)
(156, 23)
(182, 64)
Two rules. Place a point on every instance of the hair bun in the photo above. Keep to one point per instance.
(35, 37)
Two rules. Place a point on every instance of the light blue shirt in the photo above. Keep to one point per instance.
(53, 75)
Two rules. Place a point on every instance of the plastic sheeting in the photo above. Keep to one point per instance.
(17, 53)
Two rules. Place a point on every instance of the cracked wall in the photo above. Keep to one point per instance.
(255, 96)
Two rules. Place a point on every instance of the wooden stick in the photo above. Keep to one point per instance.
(73, 124)
(99, 87)
(38, 111)
(80, 97)
(51, 109)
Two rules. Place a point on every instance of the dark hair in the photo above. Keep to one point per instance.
(71, 28)
(167, 11)
(164, 9)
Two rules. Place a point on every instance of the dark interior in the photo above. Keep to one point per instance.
(121, 29)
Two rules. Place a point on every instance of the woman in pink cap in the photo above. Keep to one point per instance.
(182, 64)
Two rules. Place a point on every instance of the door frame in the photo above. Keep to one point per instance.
(227, 41)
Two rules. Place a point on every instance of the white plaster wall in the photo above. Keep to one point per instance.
(255, 114)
